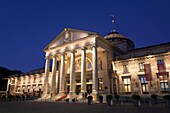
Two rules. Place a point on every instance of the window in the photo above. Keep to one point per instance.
(141, 66)
(144, 84)
(40, 79)
(125, 68)
(142, 79)
(161, 61)
(100, 84)
(78, 81)
(34, 79)
(163, 82)
(161, 70)
(29, 79)
(19, 80)
(126, 81)
(23, 80)
(164, 87)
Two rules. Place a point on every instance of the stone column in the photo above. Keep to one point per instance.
(46, 77)
(7, 89)
(53, 78)
(72, 74)
(83, 70)
(62, 73)
(95, 72)
(15, 85)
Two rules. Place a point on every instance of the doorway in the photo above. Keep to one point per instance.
(89, 88)
(78, 89)
(114, 86)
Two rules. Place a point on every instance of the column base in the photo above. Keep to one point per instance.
(72, 94)
(95, 94)
(83, 94)
(61, 93)
(45, 96)
(52, 94)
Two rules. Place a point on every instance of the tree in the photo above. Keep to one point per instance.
(4, 74)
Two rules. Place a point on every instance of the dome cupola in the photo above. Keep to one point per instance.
(120, 41)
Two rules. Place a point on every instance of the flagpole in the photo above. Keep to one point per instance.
(112, 30)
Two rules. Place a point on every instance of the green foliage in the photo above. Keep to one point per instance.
(154, 96)
(100, 97)
(116, 96)
(4, 73)
(135, 96)
(90, 97)
(109, 97)
(166, 97)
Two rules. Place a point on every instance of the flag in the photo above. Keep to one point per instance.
(112, 18)
(148, 74)
(162, 70)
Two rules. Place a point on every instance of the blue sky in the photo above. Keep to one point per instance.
(27, 26)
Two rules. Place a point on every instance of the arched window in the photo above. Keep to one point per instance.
(78, 64)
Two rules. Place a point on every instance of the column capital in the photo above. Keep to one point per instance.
(54, 55)
(83, 48)
(94, 45)
(62, 53)
(47, 57)
(73, 51)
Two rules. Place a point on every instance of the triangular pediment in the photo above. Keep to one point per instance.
(68, 35)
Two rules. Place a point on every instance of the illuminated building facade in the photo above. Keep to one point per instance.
(80, 61)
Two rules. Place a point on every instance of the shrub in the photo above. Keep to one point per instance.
(116, 96)
(90, 97)
(135, 96)
(67, 100)
(154, 96)
(100, 97)
(166, 97)
(108, 97)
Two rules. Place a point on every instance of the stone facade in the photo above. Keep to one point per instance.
(86, 62)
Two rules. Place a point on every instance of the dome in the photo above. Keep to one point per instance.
(122, 42)
(114, 35)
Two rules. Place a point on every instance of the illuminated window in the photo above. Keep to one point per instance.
(141, 66)
(19, 80)
(34, 79)
(144, 84)
(40, 79)
(24, 80)
(164, 86)
(78, 81)
(29, 79)
(161, 61)
(126, 81)
(78, 64)
(100, 80)
(125, 69)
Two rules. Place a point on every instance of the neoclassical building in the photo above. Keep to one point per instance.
(79, 61)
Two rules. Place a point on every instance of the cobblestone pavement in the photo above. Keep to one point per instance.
(52, 107)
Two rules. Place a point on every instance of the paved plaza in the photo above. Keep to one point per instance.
(53, 107)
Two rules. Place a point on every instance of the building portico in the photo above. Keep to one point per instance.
(75, 43)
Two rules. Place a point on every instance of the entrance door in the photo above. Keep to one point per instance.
(114, 86)
(89, 88)
(68, 89)
(78, 89)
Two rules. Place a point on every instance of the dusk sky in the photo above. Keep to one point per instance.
(27, 26)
